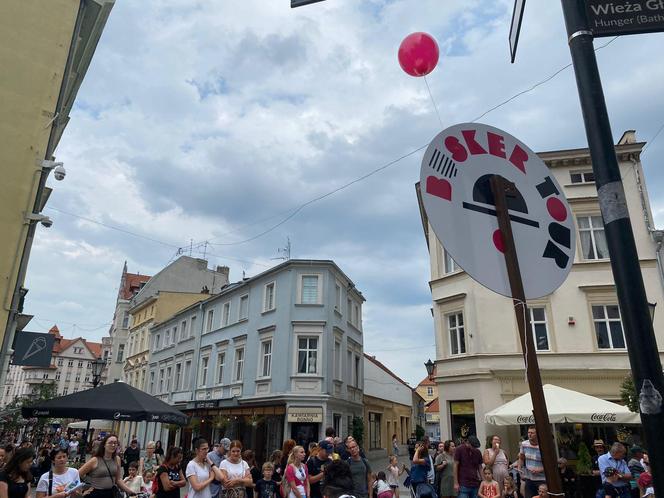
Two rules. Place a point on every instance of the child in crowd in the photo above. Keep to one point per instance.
(393, 473)
(542, 491)
(610, 491)
(509, 488)
(266, 487)
(133, 480)
(488, 487)
(383, 490)
(148, 478)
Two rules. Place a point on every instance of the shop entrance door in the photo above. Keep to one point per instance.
(304, 434)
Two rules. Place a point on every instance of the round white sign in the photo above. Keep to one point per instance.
(455, 181)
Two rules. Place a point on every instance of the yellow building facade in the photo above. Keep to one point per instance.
(45, 50)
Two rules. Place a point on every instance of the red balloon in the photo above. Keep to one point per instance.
(418, 54)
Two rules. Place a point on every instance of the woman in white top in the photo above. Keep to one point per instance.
(201, 472)
(61, 477)
(235, 473)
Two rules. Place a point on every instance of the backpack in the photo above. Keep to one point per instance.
(157, 479)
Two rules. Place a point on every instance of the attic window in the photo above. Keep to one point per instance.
(78, 350)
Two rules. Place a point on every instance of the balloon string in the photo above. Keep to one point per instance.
(433, 101)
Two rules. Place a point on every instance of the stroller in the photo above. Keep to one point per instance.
(419, 490)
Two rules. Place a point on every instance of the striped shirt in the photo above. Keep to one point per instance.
(534, 469)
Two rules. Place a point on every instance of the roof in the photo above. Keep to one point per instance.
(373, 360)
(61, 344)
(131, 283)
(432, 407)
(426, 381)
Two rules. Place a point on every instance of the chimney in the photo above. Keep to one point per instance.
(225, 271)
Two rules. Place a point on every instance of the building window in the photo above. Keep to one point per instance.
(60, 361)
(125, 320)
(226, 314)
(268, 298)
(337, 297)
(356, 315)
(186, 376)
(183, 330)
(337, 360)
(349, 366)
(429, 391)
(307, 355)
(357, 371)
(244, 308)
(457, 335)
(221, 360)
(374, 430)
(78, 378)
(65, 391)
(78, 350)
(161, 380)
(210, 318)
(349, 309)
(266, 358)
(202, 379)
(608, 327)
(239, 364)
(120, 356)
(152, 383)
(57, 375)
(582, 176)
(70, 363)
(593, 241)
(539, 328)
(167, 338)
(178, 377)
(336, 423)
(450, 264)
(309, 289)
(45, 376)
(157, 341)
(168, 379)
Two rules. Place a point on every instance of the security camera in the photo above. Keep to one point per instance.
(46, 222)
(41, 218)
(59, 172)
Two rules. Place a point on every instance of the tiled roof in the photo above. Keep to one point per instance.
(62, 344)
(432, 407)
(131, 284)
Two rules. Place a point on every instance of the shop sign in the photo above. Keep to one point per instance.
(304, 414)
(205, 404)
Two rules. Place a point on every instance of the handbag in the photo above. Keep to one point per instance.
(233, 492)
(115, 491)
(285, 485)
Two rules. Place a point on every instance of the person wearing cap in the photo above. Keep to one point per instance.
(216, 456)
(316, 467)
(615, 458)
(636, 468)
(600, 449)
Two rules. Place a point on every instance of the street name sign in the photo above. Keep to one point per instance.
(625, 17)
(455, 179)
(32, 349)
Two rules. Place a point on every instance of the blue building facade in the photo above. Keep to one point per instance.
(272, 357)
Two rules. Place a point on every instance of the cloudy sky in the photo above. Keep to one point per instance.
(214, 121)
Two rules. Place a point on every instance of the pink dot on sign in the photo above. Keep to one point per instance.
(498, 240)
(556, 209)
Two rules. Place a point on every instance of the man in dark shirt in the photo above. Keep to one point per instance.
(609, 488)
(467, 468)
(600, 449)
(316, 467)
(412, 440)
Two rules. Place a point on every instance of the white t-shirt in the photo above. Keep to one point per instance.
(73, 445)
(59, 481)
(202, 473)
(234, 470)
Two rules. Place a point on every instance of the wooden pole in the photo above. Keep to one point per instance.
(502, 189)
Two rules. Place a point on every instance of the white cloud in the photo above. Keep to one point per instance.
(197, 119)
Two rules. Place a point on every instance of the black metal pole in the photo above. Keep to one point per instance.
(639, 333)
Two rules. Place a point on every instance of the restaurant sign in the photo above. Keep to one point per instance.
(305, 414)
(625, 17)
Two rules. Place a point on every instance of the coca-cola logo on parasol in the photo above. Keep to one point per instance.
(525, 419)
(455, 180)
(603, 417)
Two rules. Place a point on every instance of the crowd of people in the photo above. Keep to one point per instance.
(331, 468)
(464, 471)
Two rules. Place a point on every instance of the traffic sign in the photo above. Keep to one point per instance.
(515, 27)
(622, 17)
(32, 349)
(455, 177)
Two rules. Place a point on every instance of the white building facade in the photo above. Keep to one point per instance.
(577, 329)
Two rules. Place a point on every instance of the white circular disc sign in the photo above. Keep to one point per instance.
(455, 180)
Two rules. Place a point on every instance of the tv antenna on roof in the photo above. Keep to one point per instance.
(284, 252)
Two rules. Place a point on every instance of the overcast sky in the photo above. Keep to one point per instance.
(213, 121)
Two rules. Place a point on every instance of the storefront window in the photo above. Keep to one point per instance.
(462, 417)
(374, 430)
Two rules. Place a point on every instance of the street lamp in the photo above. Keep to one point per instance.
(430, 367)
(97, 369)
